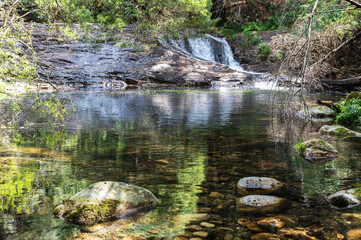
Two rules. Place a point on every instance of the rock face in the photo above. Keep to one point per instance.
(339, 131)
(258, 185)
(105, 200)
(316, 150)
(344, 199)
(260, 204)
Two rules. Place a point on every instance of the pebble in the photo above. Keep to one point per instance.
(194, 227)
(207, 225)
(216, 195)
(253, 226)
(354, 234)
(264, 236)
(271, 224)
(200, 234)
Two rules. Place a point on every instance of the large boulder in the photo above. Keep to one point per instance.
(261, 204)
(344, 199)
(315, 150)
(338, 131)
(103, 201)
(258, 185)
(320, 113)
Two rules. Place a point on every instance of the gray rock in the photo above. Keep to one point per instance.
(258, 185)
(260, 204)
(320, 113)
(344, 199)
(339, 131)
(105, 200)
(316, 150)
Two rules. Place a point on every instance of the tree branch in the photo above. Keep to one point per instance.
(356, 4)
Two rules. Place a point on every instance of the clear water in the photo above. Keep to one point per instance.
(180, 144)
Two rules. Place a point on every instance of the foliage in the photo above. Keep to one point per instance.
(167, 15)
(264, 51)
(19, 75)
(350, 112)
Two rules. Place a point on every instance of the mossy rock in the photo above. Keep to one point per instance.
(316, 150)
(320, 112)
(104, 201)
(353, 95)
(338, 131)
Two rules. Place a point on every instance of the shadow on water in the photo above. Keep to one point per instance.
(188, 147)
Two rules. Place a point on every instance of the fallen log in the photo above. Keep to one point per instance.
(347, 84)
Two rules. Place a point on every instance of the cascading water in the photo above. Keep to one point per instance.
(207, 48)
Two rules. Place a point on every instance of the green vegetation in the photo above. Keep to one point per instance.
(350, 113)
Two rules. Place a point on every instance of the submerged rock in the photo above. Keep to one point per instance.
(259, 204)
(271, 224)
(316, 150)
(264, 236)
(258, 185)
(344, 199)
(339, 131)
(105, 200)
(354, 234)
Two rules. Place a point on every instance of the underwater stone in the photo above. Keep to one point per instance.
(317, 112)
(316, 150)
(258, 185)
(105, 200)
(344, 199)
(259, 204)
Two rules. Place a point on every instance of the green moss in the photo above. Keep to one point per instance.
(343, 132)
(93, 212)
(357, 192)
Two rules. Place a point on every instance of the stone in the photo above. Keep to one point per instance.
(258, 185)
(194, 227)
(207, 225)
(344, 199)
(253, 226)
(260, 204)
(264, 236)
(216, 195)
(295, 234)
(271, 224)
(354, 234)
(243, 221)
(338, 131)
(103, 201)
(318, 112)
(200, 234)
(316, 150)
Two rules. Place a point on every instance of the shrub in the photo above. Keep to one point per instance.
(350, 113)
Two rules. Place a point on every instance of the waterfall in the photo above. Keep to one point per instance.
(207, 48)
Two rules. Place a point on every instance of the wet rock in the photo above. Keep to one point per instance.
(180, 238)
(271, 224)
(207, 225)
(320, 113)
(216, 195)
(103, 201)
(200, 234)
(259, 204)
(295, 234)
(353, 219)
(264, 236)
(258, 185)
(316, 150)
(338, 131)
(253, 226)
(194, 227)
(344, 199)
(354, 234)
(243, 221)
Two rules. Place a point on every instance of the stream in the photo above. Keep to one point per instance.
(182, 145)
(189, 146)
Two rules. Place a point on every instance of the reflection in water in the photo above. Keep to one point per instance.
(184, 146)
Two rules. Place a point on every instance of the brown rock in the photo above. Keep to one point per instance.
(207, 225)
(194, 227)
(354, 234)
(253, 226)
(271, 224)
(261, 204)
(200, 234)
(243, 221)
(295, 234)
(264, 236)
(216, 195)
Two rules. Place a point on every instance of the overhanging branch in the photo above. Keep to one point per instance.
(352, 2)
